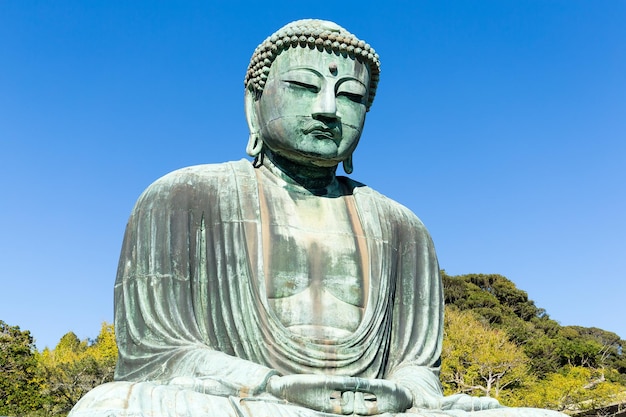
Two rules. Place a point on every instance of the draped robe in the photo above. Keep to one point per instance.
(195, 331)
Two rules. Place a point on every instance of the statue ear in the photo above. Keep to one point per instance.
(255, 143)
(347, 165)
(250, 106)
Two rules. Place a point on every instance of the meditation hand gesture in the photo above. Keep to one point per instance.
(341, 394)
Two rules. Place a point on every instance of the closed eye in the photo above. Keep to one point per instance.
(357, 98)
(300, 84)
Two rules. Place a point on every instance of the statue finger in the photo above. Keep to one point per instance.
(360, 407)
(347, 403)
(362, 385)
(342, 383)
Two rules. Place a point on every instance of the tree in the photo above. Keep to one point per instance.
(574, 388)
(465, 295)
(478, 359)
(19, 386)
(550, 346)
(75, 367)
(572, 367)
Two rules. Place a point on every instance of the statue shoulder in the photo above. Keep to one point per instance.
(389, 207)
(188, 184)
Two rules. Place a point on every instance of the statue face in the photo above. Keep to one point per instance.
(313, 106)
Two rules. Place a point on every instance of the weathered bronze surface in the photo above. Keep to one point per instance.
(276, 288)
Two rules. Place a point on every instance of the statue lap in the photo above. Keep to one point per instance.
(148, 399)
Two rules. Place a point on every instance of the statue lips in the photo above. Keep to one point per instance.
(323, 131)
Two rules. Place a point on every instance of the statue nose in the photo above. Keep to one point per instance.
(326, 104)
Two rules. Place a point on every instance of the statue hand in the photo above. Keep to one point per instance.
(341, 394)
(311, 391)
(467, 403)
(377, 396)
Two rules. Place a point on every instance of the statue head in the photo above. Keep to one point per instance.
(308, 87)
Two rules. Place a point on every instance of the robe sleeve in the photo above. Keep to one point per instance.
(172, 300)
(417, 323)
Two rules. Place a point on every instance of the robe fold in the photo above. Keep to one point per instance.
(195, 331)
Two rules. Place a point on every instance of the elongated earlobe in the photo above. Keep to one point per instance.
(255, 145)
(347, 165)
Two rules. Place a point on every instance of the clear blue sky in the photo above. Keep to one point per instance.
(501, 124)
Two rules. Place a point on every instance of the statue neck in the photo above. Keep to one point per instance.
(315, 179)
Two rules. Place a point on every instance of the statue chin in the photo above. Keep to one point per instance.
(276, 289)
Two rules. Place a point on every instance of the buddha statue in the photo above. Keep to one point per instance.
(275, 287)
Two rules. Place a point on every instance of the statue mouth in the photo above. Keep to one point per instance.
(322, 131)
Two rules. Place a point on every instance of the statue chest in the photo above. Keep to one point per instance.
(313, 264)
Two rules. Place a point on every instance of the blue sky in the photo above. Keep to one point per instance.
(501, 124)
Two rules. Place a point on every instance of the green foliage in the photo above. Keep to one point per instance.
(599, 347)
(74, 367)
(572, 389)
(544, 354)
(491, 296)
(571, 366)
(19, 385)
(479, 359)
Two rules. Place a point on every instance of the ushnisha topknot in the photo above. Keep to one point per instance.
(311, 33)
